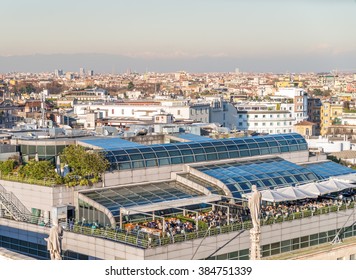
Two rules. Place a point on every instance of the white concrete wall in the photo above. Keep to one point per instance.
(40, 197)
(122, 177)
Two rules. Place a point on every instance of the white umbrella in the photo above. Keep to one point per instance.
(297, 193)
(274, 196)
(337, 185)
(316, 188)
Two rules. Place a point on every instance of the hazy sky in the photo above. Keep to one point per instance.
(182, 29)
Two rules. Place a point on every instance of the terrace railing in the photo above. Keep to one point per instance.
(143, 240)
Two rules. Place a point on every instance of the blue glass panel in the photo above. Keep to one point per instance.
(210, 150)
(138, 164)
(135, 156)
(235, 154)
(151, 162)
(198, 151)
(163, 161)
(174, 153)
(149, 155)
(200, 157)
(220, 148)
(146, 150)
(124, 165)
(188, 159)
(186, 152)
(212, 156)
(245, 153)
(162, 154)
(176, 160)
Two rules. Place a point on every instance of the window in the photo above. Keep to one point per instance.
(122, 111)
(256, 124)
(178, 112)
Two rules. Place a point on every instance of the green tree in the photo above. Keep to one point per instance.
(39, 170)
(130, 86)
(7, 166)
(84, 165)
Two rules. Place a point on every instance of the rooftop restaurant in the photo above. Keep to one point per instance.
(163, 194)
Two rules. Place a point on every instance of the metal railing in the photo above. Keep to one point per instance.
(143, 240)
(15, 178)
(16, 204)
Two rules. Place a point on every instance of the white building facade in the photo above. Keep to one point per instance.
(265, 121)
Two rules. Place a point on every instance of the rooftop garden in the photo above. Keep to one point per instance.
(77, 167)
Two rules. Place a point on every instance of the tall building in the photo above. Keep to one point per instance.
(314, 112)
(330, 114)
(297, 103)
(58, 73)
(82, 72)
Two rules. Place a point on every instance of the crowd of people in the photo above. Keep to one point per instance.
(182, 224)
(289, 208)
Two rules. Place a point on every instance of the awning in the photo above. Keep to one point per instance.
(337, 185)
(296, 193)
(317, 188)
(273, 196)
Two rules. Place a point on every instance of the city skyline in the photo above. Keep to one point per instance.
(165, 36)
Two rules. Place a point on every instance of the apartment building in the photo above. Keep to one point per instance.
(330, 114)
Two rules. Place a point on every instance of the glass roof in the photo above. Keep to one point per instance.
(327, 169)
(264, 173)
(198, 151)
(114, 198)
(110, 143)
(193, 137)
(208, 185)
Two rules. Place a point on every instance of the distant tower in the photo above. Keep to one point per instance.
(58, 73)
(91, 73)
(81, 72)
(43, 108)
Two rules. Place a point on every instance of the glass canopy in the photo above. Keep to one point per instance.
(199, 151)
(327, 169)
(115, 198)
(264, 173)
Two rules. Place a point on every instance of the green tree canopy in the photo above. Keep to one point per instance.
(39, 170)
(7, 167)
(82, 163)
(130, 86)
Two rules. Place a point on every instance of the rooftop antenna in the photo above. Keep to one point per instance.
(43, 108)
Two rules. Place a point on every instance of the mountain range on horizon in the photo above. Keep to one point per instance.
(117, 64)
